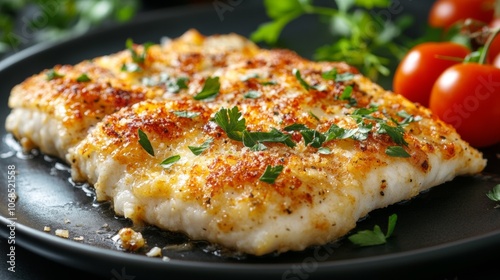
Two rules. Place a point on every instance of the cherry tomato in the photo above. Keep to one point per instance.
(445, 13)
(422, 65)
(467, 96)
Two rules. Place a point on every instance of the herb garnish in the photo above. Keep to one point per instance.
(145, 143)
(186, 114)
(166, 163)
(252, 94)
(494, 194)
(302, 82)
(137, 59)
(177, 85)
(52, 74)
(397, 151)
(232, 122)
(271, 173)
(83, 78)
(210, 89)
(197, 150)
(375, 236)
(337, 77)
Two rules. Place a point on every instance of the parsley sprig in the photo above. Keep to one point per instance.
(371, 52)
(148, 147)
(375, 236)
(232, 122)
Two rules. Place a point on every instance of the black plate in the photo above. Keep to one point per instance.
(452, 225)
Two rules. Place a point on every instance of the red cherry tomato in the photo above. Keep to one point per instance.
(422, 65)
(445, 13)
(467, 96)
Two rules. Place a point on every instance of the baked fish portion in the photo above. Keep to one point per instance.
(54, 109)
(283, 154)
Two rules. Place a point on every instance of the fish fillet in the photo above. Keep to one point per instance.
(340, 145)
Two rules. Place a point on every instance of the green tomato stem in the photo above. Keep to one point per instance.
(484, 54)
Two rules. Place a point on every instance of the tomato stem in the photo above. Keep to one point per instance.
(482, 58)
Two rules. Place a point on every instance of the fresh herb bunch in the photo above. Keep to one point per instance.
(362, 38)
(26, 22)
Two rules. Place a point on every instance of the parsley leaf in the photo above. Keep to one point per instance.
(302, 82)
(210, 89)
(166, 163)
(145, 143)
(136, 57)
(197, 150)
(375, 236)
(252, 94)
(231, 122)
(397, 151)
(52, 74)
(271, 173)
(83, 78)
(494, 194)
(177, 85)
(186, 114)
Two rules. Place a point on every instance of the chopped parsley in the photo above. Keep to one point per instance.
(166, 163)
(232, 122)
(271, 173)
(494, 194)
(210, 89)
(52, 74)
(252, 94)
(186, 114)
(197, 150)
(375, 236)
(302, 82)
(83, 78)
(337, 77)
(177, 85)
(145, 143)
(136, 57)
(397, 151)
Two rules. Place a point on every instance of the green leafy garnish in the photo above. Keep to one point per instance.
(337, 77)
(252, 94)
(397, 151)
(136, 57)
(177, 85)
(494, 194)
(145, 143)
(131, 67)
(271, 173)
(302, 82)
(210, 89)
(197, 150)
(166, 163)
(375, 236)
(186, 114)
(231, 121)
(348, 20)
(83, 78)
(52, 74)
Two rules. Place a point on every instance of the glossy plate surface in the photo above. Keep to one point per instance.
(452, 224)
